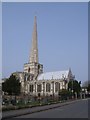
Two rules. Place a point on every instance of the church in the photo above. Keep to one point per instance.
(34, 81)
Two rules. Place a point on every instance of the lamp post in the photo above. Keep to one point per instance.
(75, 95)
(81, 94)
(53, 89)
(72, 89)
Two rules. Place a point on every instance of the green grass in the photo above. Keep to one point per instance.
(21, 104)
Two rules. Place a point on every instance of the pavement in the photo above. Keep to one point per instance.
(26, 111)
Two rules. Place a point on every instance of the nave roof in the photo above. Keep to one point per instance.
(53, 75)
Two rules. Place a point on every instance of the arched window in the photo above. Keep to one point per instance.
(57, 87)
(28, 78)
(29, 69)
(39, 88)
(48, 87)
(31, 88)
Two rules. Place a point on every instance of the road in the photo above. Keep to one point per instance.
(78, 109)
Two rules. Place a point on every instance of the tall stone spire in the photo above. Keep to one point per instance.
(33, 66)
(34, 47)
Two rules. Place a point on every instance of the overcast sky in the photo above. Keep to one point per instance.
(62, 36)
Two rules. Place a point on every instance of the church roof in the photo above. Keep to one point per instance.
(53, 75)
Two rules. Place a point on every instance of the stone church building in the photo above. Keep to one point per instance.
(34, 81)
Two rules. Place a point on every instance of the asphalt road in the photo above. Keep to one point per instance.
(78, 109)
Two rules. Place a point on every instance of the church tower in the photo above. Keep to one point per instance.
(33, 65)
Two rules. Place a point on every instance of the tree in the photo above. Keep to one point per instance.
(85, 83)
(75, 86)
(64, 94)
(88, 88)
(11, 85)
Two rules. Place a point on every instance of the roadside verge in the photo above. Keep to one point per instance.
(16, 113)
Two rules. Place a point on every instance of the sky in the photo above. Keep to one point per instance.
(62, 36)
